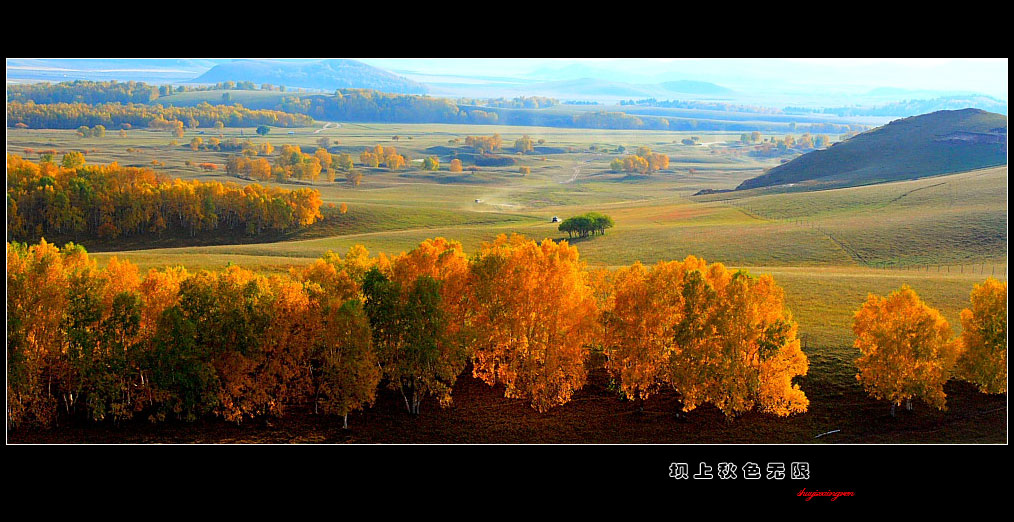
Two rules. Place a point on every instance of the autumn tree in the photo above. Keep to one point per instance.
(523, 144)
(416, 311)
(431, 163)
(905, 349)
(455, 165)
(532, 316)
(343, 161)
(73, 160)
(354, 177)
(347, 369)
(713, 335)
(984, 338)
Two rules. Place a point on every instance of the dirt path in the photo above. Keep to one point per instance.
(326, 126)
(577, 170)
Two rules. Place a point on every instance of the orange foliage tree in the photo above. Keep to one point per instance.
(905, 349)
(532, 316)
(715, 336)
(984, 338)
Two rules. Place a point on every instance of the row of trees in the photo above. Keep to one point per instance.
(110, 115)
(82, 91)
(110, 201)
(85, 91)
(520, 102)
(907, 349)
(586, 224)
(106, 343)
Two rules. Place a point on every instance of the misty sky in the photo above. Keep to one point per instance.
(987, 76)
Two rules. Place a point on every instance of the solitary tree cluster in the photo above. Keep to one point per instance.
(524, 144)
(645, 162)
(484, 144)
(586, 224)
(98, 131)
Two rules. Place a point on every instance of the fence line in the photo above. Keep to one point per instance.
(980, 268)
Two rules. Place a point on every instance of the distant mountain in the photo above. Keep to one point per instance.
(152, 70)
(693, 87)
(606, 89)
(326, 75)
(588, 87)
(931, 144)
(923, 106)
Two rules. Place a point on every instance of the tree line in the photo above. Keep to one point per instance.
(116, 115)
(107, 343)
(93, 92)
(110, 201)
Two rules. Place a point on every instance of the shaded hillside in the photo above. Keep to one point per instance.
(910, 148)
(322, 74)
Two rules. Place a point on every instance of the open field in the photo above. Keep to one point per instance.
(827, 249)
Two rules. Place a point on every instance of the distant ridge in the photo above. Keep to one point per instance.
(695, 87)
(937, 143)
(327, 75)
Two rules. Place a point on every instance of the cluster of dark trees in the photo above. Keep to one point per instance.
(586, 224)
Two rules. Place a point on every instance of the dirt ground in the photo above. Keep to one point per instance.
(481, 414)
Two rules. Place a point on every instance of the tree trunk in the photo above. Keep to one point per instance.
(345, 421)
(908, 404)
(893, 407)
(403, 396)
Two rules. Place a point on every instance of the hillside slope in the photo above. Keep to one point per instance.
(931, 144)
(322, 74)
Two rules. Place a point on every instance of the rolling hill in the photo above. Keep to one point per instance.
(326, 75)
(927, 145)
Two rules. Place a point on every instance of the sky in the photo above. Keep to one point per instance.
(986, 76)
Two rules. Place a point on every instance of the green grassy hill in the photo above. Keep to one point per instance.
(937, 143)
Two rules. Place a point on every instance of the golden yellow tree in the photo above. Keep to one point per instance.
(532, 317)
(905, 349)
(715, 336)
(984, 338)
